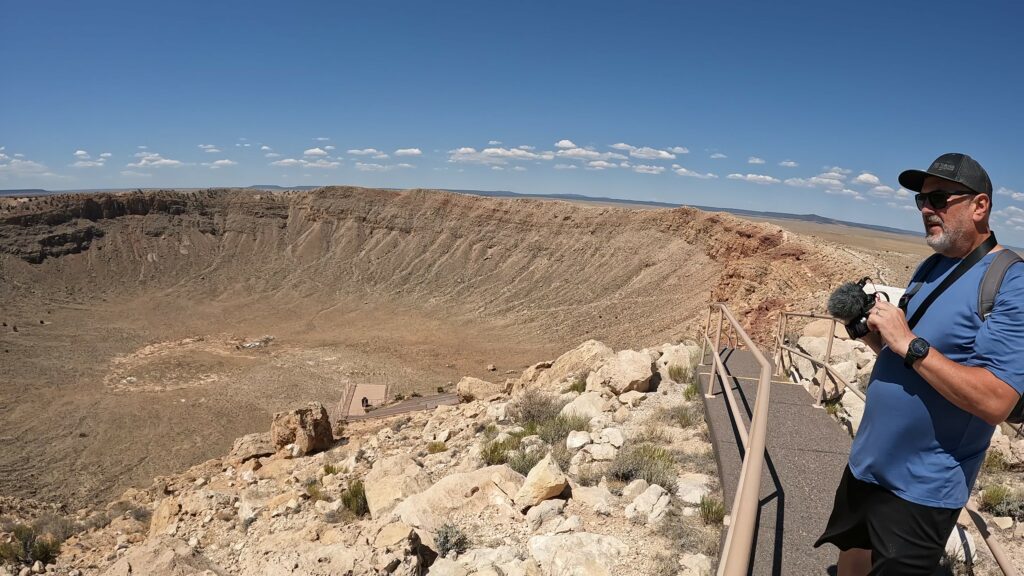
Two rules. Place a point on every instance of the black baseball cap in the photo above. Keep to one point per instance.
(959, 168)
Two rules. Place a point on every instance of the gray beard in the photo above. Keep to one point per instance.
(945, 240)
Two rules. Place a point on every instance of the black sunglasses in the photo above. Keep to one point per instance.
(939, 199)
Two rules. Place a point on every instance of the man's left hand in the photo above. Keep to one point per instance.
(891, 324)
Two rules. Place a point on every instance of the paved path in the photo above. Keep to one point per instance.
(806, 454)
(410, 405)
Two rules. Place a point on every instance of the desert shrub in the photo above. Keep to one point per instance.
(354, 499)
(712, 510)
(653, 464)
(522, 461)
(590, 475)
(400, 423)
(399, 397)
(556, 430)
(56, 527)
(688, 533)
(330, 469)
(832, 407)
(562, 456)
(435, 447)
(489, 431)
(534, 408)
(95, 521)
(703, 461)
(995, 462)
(496, 452)
(315, 490)
(999, 500)
(451, 539)
(678, 373)
(652, 433)
(415, 395)
(579, 384)
(440, 389)
(683, 415)
(691, 392)
(29, 545)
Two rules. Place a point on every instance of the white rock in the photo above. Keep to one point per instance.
(588, 405)
(691, 487)
(577, 554)
(621, 415)
(632, 398)
(960, 544)
(577, 439)
(602, 452)
(695, 565)
(627, 370)
(391, 480)
(1003, 522)
(634, 489)
(542, 513)
(446, 567)
(544, 481)
(612, 436)
(652, 503)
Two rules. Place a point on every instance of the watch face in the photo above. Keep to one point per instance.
(918, 347)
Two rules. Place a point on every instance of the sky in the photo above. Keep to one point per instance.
(799, 107)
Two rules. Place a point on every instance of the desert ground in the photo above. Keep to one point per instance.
(143, 332)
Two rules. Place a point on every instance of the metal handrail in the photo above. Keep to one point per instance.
(970, 509)
(739, 540)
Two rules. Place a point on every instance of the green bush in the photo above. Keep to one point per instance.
(999, 500)
(712, 510)
(556, 430)
(315, 491)
(653, 464)
(354, 499)
(688, 534)
(691, 392)
(330, 469)
(678, 373)
(534, 408)
(435, 447)
(29, 546)
(496, 452)
(522, 461)
(995, 462)
(683, 415)
(579, 384)
(451, 539)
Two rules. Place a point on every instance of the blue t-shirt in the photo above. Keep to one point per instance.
(911, 440)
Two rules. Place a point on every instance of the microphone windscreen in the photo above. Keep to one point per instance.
(849, 301)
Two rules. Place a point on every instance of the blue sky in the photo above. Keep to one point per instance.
(798, 107)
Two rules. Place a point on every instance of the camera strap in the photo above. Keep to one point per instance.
(966, 264)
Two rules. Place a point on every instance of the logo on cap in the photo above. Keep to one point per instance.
(944, 166)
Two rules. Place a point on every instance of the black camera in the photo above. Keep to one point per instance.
(850, 304)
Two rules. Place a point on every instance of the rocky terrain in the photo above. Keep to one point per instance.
(594, 463)
(153, 328)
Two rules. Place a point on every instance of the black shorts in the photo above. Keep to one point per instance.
(904, 538)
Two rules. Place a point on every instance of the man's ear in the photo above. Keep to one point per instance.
(982, 207)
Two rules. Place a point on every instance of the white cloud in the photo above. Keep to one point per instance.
(904, 193)
(755, 160)
(495, 156)
(622, 146)
(645, 169)
(240, 145)
(134, 174)
(494, 142)
(209, 148)
(686, 172)
(287, 162)
(646, 153)
(718, 156)
(19, 167)
(755, 178)
(265, 148)
(867, 178)
(321, 139)
(106, 155)
(845, 192)
(588, 154)
(788, 164)
(679, 150)
(84, 160)
(833, 179)
(321, 163)
(272, 155)
(527, 148)
(371, 167)
(220, 163)
(519, 168)
(1013, 194)
(142, 147)
(81, 154)
(328, 147)
(368, 152)
(153, 160)
(88, 164)
(314, 152)
(844, 171)
(499, 168)
(599, 165)
(408, 152)
(565, 166)
(882, 191)
(565, 144)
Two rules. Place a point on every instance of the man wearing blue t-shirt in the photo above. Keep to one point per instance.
(937, 391)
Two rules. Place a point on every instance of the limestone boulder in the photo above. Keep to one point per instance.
(163, 516)
(625, 371)
(693, 486)
(577, 439)
(820, 328)
(251, 446)
(163, 556)
(470, 388)
(544, 481)
(577, 554)
(309, 429)
(651, 505)
(681, 355)
(587, 404)
(492, 488)
(842, 350)
(392, 480)
(578, 361)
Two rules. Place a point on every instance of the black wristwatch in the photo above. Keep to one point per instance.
(918, 349)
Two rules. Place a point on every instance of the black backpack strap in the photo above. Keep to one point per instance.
(966, 264)
(917, 280)
(993, 279)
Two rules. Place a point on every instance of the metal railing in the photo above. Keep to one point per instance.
(824, 367)
(739, 540)
(822, 364)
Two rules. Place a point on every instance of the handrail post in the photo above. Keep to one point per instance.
(820, 374)
(710, 392)
(703, 341)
